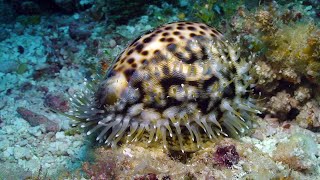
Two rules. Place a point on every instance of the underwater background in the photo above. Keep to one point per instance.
(48, 49)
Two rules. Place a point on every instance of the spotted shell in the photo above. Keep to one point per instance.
(180, 82)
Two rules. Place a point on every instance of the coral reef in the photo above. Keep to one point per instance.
(286, 37)
(253, 159)
(297, 46)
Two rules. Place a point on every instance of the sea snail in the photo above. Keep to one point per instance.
(179, 83)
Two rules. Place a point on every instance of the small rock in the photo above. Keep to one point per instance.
(1, 122)
(35, 163)
(57, 102)
(4, 144)
(78, 33)
(43, 89)
(59, 148)
(60, 135)
(299, 152)
(48, 72)
(23, 142)
(4, 34)
(149, 176)
(226, 156)
(20, 49)
(112, 43)
(35, 119)
(8, 66)
(77, 144)
(8, 130)
(309, 116)
(302, 94)
(21, 153)
(35, 131)
(8, 152)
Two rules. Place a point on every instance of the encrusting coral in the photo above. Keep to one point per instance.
(297, 46)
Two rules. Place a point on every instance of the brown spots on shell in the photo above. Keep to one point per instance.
(130, 61)
(139, 48)
(147, 40)
(176, 33)
(158, 31)
(191, 28)
(215, 31)
(119, 69)
(170, 39)
(203, 27)
(165, 34)
(145, 53)
(192, 34)
(130, 52)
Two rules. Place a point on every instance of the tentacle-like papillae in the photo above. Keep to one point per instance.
(223, 83)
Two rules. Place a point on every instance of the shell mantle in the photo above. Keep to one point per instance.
(173, 85)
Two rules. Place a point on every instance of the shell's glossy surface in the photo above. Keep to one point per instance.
(180, 81)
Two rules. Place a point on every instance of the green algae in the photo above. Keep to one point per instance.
(22, 68)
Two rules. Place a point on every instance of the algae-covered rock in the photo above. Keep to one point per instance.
(298, 152)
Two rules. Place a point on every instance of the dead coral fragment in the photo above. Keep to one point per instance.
(226, 156)
(149, 176)
(299, 152)
(35, 119)
(309, 116)
(56, 102)
(103, 169)
(282, 104)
